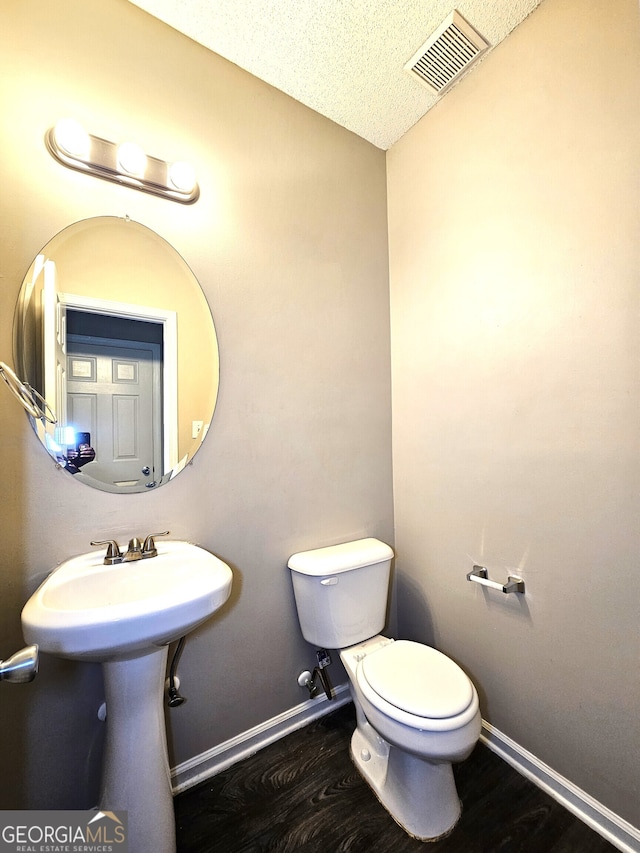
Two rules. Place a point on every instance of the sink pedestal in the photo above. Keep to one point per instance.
(135, 774)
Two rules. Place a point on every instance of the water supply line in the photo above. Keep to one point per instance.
(320, 673)
(174, 697)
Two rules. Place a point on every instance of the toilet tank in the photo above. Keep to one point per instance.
(341, 592)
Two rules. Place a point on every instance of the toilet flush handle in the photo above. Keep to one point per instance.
(329, 581)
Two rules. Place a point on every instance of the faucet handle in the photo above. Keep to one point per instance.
(113, 554)
(149, 548)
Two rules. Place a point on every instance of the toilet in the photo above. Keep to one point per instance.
(416, 710)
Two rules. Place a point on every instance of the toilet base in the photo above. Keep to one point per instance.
(419, 795)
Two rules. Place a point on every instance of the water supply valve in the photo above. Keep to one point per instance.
(309, 680)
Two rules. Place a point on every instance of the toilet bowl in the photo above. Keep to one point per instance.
(420, 699)
(417, 712)
(407, 757)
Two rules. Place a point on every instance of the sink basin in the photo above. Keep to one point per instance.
(88, 611)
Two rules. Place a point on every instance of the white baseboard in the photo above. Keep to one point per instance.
(217, 759)
(617, 831)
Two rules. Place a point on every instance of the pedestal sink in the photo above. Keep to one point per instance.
(124, 616)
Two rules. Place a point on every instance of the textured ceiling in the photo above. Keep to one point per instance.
(342, 58)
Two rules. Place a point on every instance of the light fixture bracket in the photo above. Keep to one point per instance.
(102, 162)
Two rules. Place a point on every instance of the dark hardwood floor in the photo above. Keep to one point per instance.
(302, 794)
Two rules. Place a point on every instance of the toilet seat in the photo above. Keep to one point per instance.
(418, 686)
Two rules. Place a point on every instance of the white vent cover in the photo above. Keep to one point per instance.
(449, 51)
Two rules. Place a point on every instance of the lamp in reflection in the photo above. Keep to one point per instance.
(72, 449)
(65, 436)
(124, 163)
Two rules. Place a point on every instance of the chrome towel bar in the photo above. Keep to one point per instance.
(480, 575)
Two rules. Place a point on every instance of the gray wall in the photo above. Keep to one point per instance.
(289, 242)
(514, 220)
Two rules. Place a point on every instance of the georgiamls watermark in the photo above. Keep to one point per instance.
(63, 832)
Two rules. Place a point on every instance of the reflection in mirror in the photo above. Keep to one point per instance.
(113, 330)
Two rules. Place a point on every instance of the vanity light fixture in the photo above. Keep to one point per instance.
(124, 163)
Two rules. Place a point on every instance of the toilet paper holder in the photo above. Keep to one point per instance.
(479, 574)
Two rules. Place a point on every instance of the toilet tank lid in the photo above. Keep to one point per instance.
(340, 558)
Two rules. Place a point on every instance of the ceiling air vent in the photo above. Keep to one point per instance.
(449, 51)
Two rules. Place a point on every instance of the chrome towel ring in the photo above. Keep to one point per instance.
(32, 401)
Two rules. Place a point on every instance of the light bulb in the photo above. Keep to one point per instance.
(182, 175)
(71, 137)
(131, 158)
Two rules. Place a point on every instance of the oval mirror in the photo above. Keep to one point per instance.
(113, 331)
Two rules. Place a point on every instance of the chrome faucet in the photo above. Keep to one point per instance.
(135, 551)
